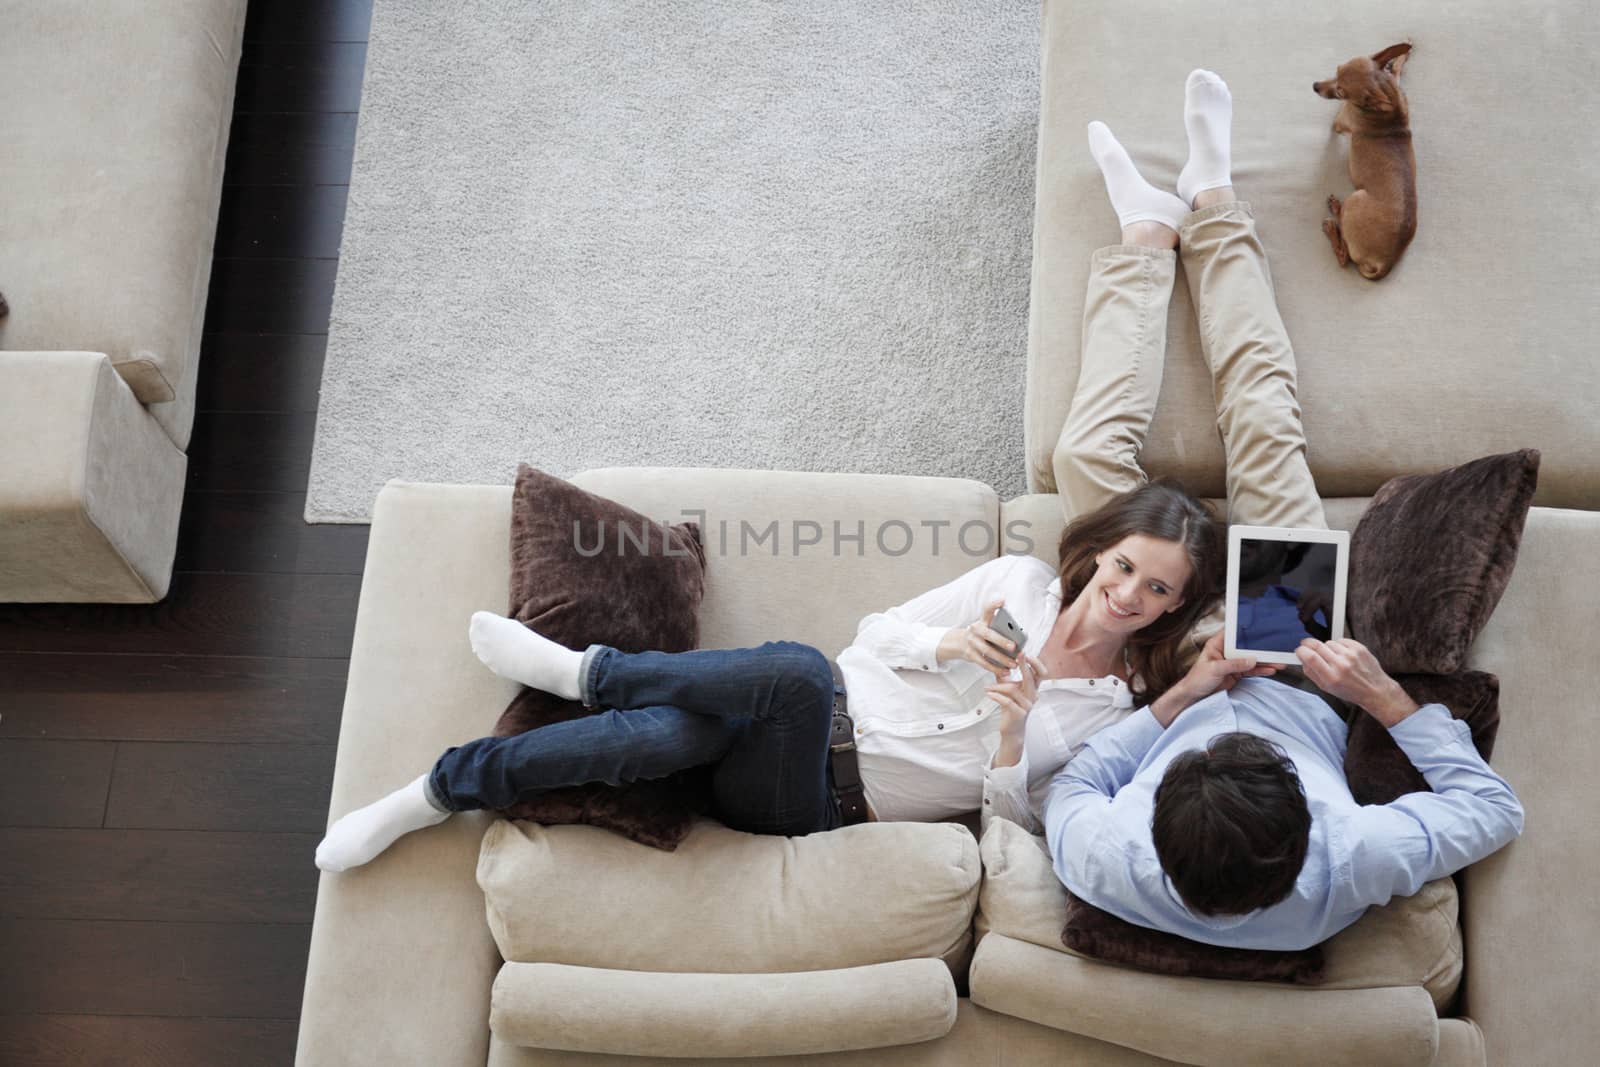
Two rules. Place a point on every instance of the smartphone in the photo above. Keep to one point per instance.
(1007, 627)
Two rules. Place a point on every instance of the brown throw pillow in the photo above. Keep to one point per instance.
(587, 570)
(1100, 934)
(1431, 557)
(1378, 770)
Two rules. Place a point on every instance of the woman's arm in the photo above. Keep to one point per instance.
(916, 634)
(1005, 794)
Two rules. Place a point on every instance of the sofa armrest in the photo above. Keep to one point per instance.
(1529, 929)
(1200, 1021)
(638, 1013)
(91, 486)
(401, 960)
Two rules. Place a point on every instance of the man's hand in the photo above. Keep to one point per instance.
(1210, 674)
(1345, 669)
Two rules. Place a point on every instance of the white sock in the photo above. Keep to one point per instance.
(1132, 198)
(513, 651)
(361, 835)
(1208, 116)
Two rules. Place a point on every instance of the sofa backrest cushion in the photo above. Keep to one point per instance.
(803, 557)
(115, 128)
(1449, 357)
(730, 902)
(1411, 941)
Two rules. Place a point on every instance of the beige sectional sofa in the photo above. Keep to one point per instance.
(617, 948)
(1478, 343)
(115, 124)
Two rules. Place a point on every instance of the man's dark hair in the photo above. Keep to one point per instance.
(1231, 825)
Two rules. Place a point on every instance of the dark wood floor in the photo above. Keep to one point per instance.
(165, 770)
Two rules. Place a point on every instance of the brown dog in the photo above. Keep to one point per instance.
(1376, 222)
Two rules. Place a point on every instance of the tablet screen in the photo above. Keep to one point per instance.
(1286, 593)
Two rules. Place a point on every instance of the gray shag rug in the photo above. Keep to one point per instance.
(724, 233)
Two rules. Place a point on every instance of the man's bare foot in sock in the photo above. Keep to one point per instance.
(1149, 216)
(362, 835)
(1208, 119)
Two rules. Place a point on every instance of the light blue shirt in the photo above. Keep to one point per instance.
(1097, 813)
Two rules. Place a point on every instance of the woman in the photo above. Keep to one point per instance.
(1138, 571)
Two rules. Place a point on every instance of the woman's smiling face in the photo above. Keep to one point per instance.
(1136, 581)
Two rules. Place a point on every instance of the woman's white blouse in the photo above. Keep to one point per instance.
(926, 733)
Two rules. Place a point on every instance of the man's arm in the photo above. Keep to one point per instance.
(1077, 801)
(1472, 811)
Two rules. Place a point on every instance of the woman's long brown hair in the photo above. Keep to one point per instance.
(1159, 654)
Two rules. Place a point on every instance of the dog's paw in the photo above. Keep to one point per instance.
(1334, 206)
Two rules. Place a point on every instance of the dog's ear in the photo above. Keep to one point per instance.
(1393, 58)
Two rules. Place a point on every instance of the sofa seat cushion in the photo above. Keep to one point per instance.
(1203, 1021)
(634, 1013)
(1441, 361)
(730, 902)
(115, 127)
(1411, 941)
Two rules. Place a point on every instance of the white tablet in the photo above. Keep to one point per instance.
(1284, 585)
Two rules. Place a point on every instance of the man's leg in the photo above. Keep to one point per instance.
(1241, 332)
(1124, 339)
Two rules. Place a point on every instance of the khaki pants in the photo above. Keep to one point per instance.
(1246, 348)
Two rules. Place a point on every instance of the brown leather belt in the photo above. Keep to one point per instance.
(846, 776)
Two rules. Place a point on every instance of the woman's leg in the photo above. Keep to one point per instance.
(494, 772)
(613, 747)
(1124, 338)
(764, 713)
(773, 778)
(1246, 346)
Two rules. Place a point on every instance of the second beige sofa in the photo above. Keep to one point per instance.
(114, 129)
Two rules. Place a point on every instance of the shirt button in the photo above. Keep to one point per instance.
(1091, 681)
(986, 800)
(861, 729)
(941, 726)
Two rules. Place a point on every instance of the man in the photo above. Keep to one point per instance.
(1226, 819)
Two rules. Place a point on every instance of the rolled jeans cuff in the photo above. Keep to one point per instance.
(587, 667)
(432, 794)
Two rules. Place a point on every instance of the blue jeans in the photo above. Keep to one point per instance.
(762, 715)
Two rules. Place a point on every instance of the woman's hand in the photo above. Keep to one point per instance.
(977, 643)
(1347, 670)
(1211, 673)
(1016, 699)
